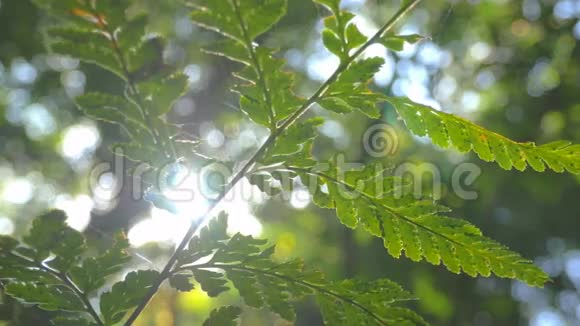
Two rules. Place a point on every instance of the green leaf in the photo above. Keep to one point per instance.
(446, 129)
(294, 138)
(354, 37)
(393, 43)
(417, 227)
(91, 103)
(350, 92)
(7, 243)
(126, 295)
(252, 105)
(268, 89)
(266, 95)
(234, 51)
(277, 295)
(181, 282)
(341, 35)
(115, 109)
(332, 42)
(212, 283)
(224, 316)
(45, 232)
(239, 20)
(95, 38)
(68, 251)
(359, 72)
(109, 38)
(246, 284)
(265, 182)
(133, 32)
(47, 297)
(214, 232)
(90, 53)
(263, 282)
(336, 104)
(367, 303)
(145, 60)
(161, 93)
(397, 42)
(15, 268)
(51, 234)
(92, 274)
(211, 237)
(238, 248)
(77, 12)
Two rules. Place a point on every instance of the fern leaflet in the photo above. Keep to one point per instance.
(263, 282)
(446, 130)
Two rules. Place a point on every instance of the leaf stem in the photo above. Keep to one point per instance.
(407, 7)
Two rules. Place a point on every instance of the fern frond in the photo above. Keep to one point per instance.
(357, 295)
(266, 95)
(350, 93)
(118, 42)
(446, 130)
(263, 282)
(118, 110)
(371, 201)
(48, 269)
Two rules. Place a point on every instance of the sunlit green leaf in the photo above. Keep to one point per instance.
(350, 92)
(397, 42)
(446, 129)
(47, 297)
(263, 282)
(417, 227)
(50, 234)
(162, 93)
(89, 53)
(212, 283)
(181, 282)
(224, 316)
(126, 295)
(92, 274)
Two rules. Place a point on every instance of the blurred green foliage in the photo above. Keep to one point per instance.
(511, 66)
